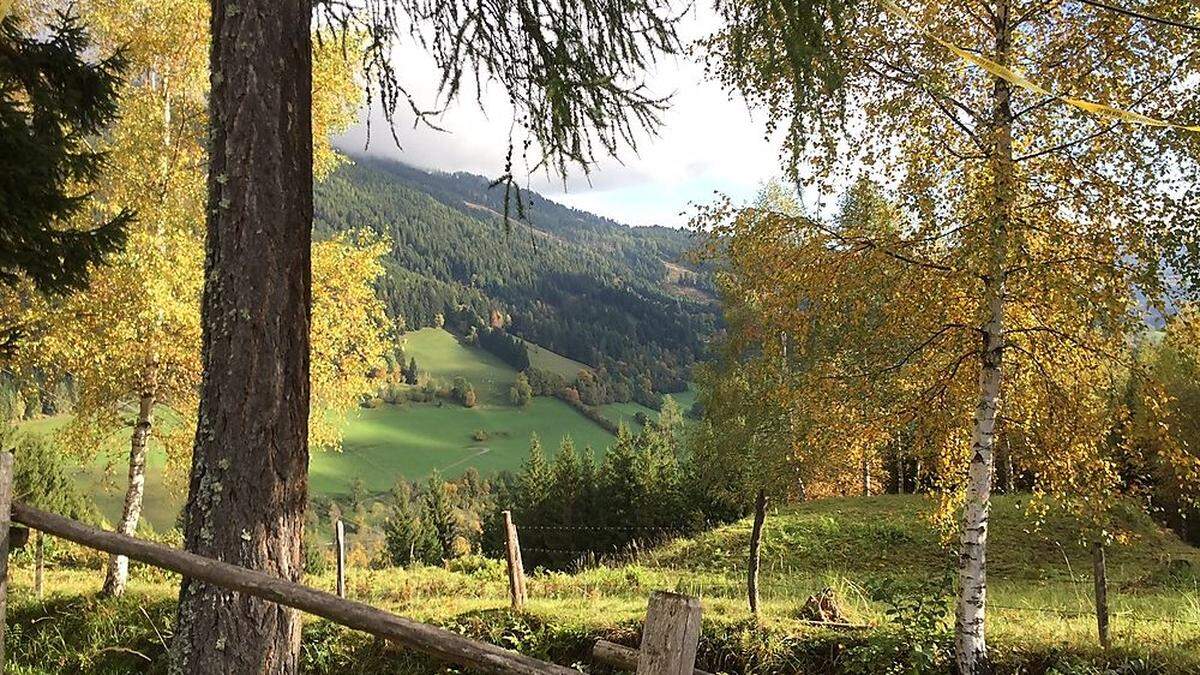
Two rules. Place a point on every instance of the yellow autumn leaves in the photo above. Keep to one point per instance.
(136, 329)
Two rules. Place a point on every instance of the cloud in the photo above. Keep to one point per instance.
(709, 140)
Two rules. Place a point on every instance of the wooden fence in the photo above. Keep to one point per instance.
(669, 638)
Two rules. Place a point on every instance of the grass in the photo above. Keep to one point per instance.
(443, 357)
(544, 359)
(414, 440)
(384, 443)
(1040, 613)
(628, 411)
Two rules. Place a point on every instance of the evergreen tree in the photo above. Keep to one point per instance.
(358, 499)
(43, 477)
(567, 477)
(53, 98)
(406, 537)
(412, 374)
(670, 420)
(439, 517)
(535, 481)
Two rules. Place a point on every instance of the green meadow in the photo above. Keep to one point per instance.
(415, 440)
(1040, 614)
(381, 444)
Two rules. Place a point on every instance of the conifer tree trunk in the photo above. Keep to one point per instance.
(760, 515)
(970, 642)
(117, 574)
(249, 475)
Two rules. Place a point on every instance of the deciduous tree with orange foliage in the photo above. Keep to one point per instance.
(1002, 295)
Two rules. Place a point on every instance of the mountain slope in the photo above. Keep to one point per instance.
(598, 292)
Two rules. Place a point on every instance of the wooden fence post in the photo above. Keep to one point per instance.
(1100, 576)
(339, 544)
(516, 570)
(6, 494)
(671, 635)
(437, 642)
(622, 657)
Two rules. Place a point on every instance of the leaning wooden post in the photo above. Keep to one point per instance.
(339, 544)
(6, 494)
(671, 635)
(516, 570)
(1100, 576)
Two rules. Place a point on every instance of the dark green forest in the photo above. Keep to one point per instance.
(620, 299)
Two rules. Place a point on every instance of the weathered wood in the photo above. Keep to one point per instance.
(1100, 576)
(6, 494)
(760, 515)
(436, 642)
(339, 544)
(670, 636)
(620, 656)
(516, 570)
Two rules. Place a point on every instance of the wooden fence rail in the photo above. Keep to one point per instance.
(431, 640)
(668, 641)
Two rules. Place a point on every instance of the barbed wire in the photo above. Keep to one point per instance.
(587, 528)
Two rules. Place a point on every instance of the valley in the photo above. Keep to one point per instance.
(388, 442)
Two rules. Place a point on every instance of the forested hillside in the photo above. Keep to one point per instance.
(617, 298)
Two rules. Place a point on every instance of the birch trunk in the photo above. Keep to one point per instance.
(131, 512)
(760, 516)
(866, 477)
(970, 643)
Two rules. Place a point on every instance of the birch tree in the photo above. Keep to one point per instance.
(132, 340)
(1028, 218)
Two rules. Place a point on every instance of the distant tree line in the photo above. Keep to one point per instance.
(571, 509)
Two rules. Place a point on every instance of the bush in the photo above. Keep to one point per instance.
(479, 435)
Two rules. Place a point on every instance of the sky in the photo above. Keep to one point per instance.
(709, 141)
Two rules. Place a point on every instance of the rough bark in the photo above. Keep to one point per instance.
(1100, 576)
(970, 641)
(760, 516)
(131, 512)
(249, 477)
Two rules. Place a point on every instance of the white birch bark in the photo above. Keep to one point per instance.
(970, 643)
(118, 565)
(969, 639)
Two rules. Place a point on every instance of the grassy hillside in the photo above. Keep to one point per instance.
(383, 443)
(440, 355)
(545, 359)
(1040, 618)
(414, 440)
